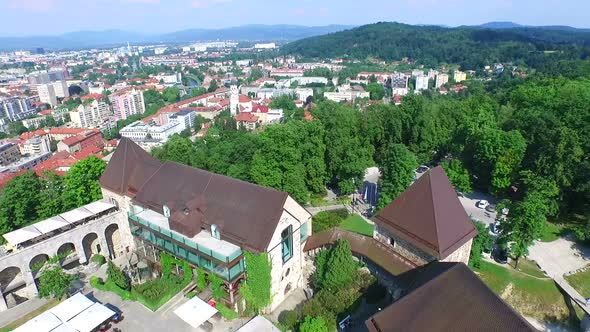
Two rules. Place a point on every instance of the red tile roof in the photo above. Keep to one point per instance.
(95, 96)
(259, 108)
(246, 117)
(244, 99)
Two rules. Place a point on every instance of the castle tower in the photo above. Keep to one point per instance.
(234, 100)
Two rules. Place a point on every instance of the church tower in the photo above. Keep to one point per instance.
(234, 100)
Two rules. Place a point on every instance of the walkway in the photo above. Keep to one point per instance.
(377, 252)
(317, 209)
(559, 258)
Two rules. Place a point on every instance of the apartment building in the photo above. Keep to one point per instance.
(9, 153)
(139, 131)
(185, 118)
(459, 76)
(422, 83)
(127, 102)
(47, 94)
(16, 108)
(207, 219)
(35, 145)
(441, 79)
(90, 114)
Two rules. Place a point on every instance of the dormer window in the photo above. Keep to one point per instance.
(215, 233)
(166, 211)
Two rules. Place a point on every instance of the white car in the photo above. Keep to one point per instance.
(482, 204)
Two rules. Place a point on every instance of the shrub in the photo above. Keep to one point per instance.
(326, 220)
(335, 267)
(201, 279)
(216, 286)
(117, 276)
(311, 324)
(99, 259)
(54, 282)
(226, 312)
(289, 318)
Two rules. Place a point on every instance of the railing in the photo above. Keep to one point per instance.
(184, 248)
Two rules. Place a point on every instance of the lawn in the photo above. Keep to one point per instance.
(52, 303)
(357, 224)
(534, 297)
(581, 282)
(551, 232)
(528, 267)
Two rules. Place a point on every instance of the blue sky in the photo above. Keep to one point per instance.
(50, 17)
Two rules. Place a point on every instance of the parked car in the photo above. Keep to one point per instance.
(460, 194)
(491, 208)
(494, 228)
(482, 204)
(500, 256)
(422, 169)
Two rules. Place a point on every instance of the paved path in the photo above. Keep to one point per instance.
(562, 257)
(317, 209)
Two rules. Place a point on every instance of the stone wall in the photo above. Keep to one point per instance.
(461, 254)
(402, 247)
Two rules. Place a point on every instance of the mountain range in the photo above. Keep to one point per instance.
(109, 38)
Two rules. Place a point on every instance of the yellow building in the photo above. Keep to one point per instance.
(459, 76)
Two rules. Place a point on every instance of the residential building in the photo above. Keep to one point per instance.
(47, 94)
(286, 72)
(347, 93)
(265, 46)
(139, 131)
(38, 78)
(207, 219)
(73, 144)
(408, 224)
(459, 76)
(441, 79)
(9, 153)
(185, 118)
(16, 108)
(127, 102)
(421, 83)
(28, 162)
(90, 114)
(35, 145)
(399, 84)
(34, 122)
(169, 78)
(246, 120)
(61, 89)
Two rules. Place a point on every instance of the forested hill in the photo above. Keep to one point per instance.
(469, 47)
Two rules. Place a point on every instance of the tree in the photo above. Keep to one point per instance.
(117, 276)
(50, 196)
(397, 172)
(18, 201)
(376, 90)
(524, 224)
(482, 242)
(458, 175)
(16, 128)
(54, 282)
(335, 268)
(199, 120)
(171, 95)
(178, 149)
(81, 182)
(255, 74)
(311, 324)
(213, 86)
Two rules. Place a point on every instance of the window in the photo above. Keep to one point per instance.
(287, 243)
(392, 241)
(215, 232)
(303, 232)
(166, 211)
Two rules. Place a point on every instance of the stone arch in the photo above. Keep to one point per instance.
(38, 262)
(70, 260)
(91, 245)
(113, 236)
(8, 276)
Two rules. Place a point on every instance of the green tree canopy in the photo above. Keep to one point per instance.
(81, 182)
(397, 172)
(54, 282)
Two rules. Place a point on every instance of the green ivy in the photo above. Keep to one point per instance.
(216, 286)
(256, 288)
(201, 279)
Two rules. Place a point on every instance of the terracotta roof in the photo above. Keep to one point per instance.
(447, 296)
(429, 215)
(246, 117)
(244, 99)
(247, 214)
(256, 108)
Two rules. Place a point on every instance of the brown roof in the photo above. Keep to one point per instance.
(377, 252)
(429, 215)
(448, 297)
(246, 214)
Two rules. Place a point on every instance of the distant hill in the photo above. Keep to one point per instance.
(499, 25)
(470, 47)
(512, 25)
(107, 38)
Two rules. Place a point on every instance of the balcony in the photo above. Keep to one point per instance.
(220, 257)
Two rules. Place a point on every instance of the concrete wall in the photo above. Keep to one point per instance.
(290, 272)
(123, 203)
(461, 254)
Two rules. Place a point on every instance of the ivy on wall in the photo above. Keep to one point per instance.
(256, 288)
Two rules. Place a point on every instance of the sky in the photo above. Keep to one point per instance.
(54, 17)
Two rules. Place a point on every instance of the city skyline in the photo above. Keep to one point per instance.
(55, 17)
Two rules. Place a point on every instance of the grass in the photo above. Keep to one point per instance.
(52, 303)
(317, 201)
(551, 232)
(537, 298)
(528, 267)
(357, 224)
(581, 282)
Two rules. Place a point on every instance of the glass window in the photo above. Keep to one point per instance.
(287, 243)
(303, 232)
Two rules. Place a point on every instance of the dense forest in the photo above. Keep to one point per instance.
(522, 140)
(469, 47)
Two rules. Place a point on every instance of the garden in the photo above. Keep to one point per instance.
(341, 288)
(341, 218)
